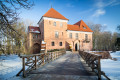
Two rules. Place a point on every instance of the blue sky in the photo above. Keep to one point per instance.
(105, 12)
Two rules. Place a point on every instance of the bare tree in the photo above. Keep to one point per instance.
(102, 40)
(8, 17)
(9, 14)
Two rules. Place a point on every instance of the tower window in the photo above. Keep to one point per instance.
(56, 34)
(53, 43)
(49, 22)
(61, 24)
(54, 23)
(35, 36)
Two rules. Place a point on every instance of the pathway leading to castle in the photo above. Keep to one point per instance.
(67, 67)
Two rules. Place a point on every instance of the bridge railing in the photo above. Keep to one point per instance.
(30, 62)
(93, 61)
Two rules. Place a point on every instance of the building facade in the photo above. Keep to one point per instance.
(55, 31)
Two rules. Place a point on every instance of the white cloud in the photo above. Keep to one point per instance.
(99, 12)
(104, 24)
(69, 5)
(101, 4)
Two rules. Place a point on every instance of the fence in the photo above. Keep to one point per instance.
(93, 61)
(30, 62)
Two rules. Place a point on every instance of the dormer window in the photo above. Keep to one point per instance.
(84, 27)
(54, 23)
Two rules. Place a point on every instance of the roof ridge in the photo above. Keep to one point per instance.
(54, 14)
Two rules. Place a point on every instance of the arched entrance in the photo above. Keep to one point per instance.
(36, 48)
(76, 46)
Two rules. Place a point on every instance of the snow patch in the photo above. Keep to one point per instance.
(9, 66)
(111, 67)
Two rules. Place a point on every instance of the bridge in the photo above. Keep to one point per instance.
(62, 66)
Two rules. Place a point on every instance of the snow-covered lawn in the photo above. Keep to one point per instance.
(9, 66)
(110, 67)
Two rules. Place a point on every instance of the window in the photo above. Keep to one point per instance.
(84, 27)
(86, 36)
(62, 33)
(52, 43)
(56, 34)
(76, 35)
(54, 23)
(61, 24)
(70, 35)
(49, 22)
(60, 43)
(35, 36)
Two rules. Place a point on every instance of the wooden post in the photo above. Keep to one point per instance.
(48, 57)
(51, 56)
(24, 74)
(43, 59)
(99, 68)
(93, 66)
(35, 61)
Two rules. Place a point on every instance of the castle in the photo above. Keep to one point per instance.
(56, 33)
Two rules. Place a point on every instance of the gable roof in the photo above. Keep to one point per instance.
(79, 26)
(33, 29)
(52, 13)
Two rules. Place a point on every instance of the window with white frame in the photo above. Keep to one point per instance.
(70, 35)
(86, 37)
(61, 24)
(76, 35)
(54, 23)
(56, 34)
(49, 22)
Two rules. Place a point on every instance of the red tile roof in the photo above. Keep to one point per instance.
(52, 13)
(79, 26)
(34, 29)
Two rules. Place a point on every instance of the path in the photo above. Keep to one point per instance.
(67, 67)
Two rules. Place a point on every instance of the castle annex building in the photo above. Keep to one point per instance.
(56, 33)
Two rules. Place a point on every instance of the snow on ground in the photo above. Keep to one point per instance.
(111, 67)
(10, 65)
